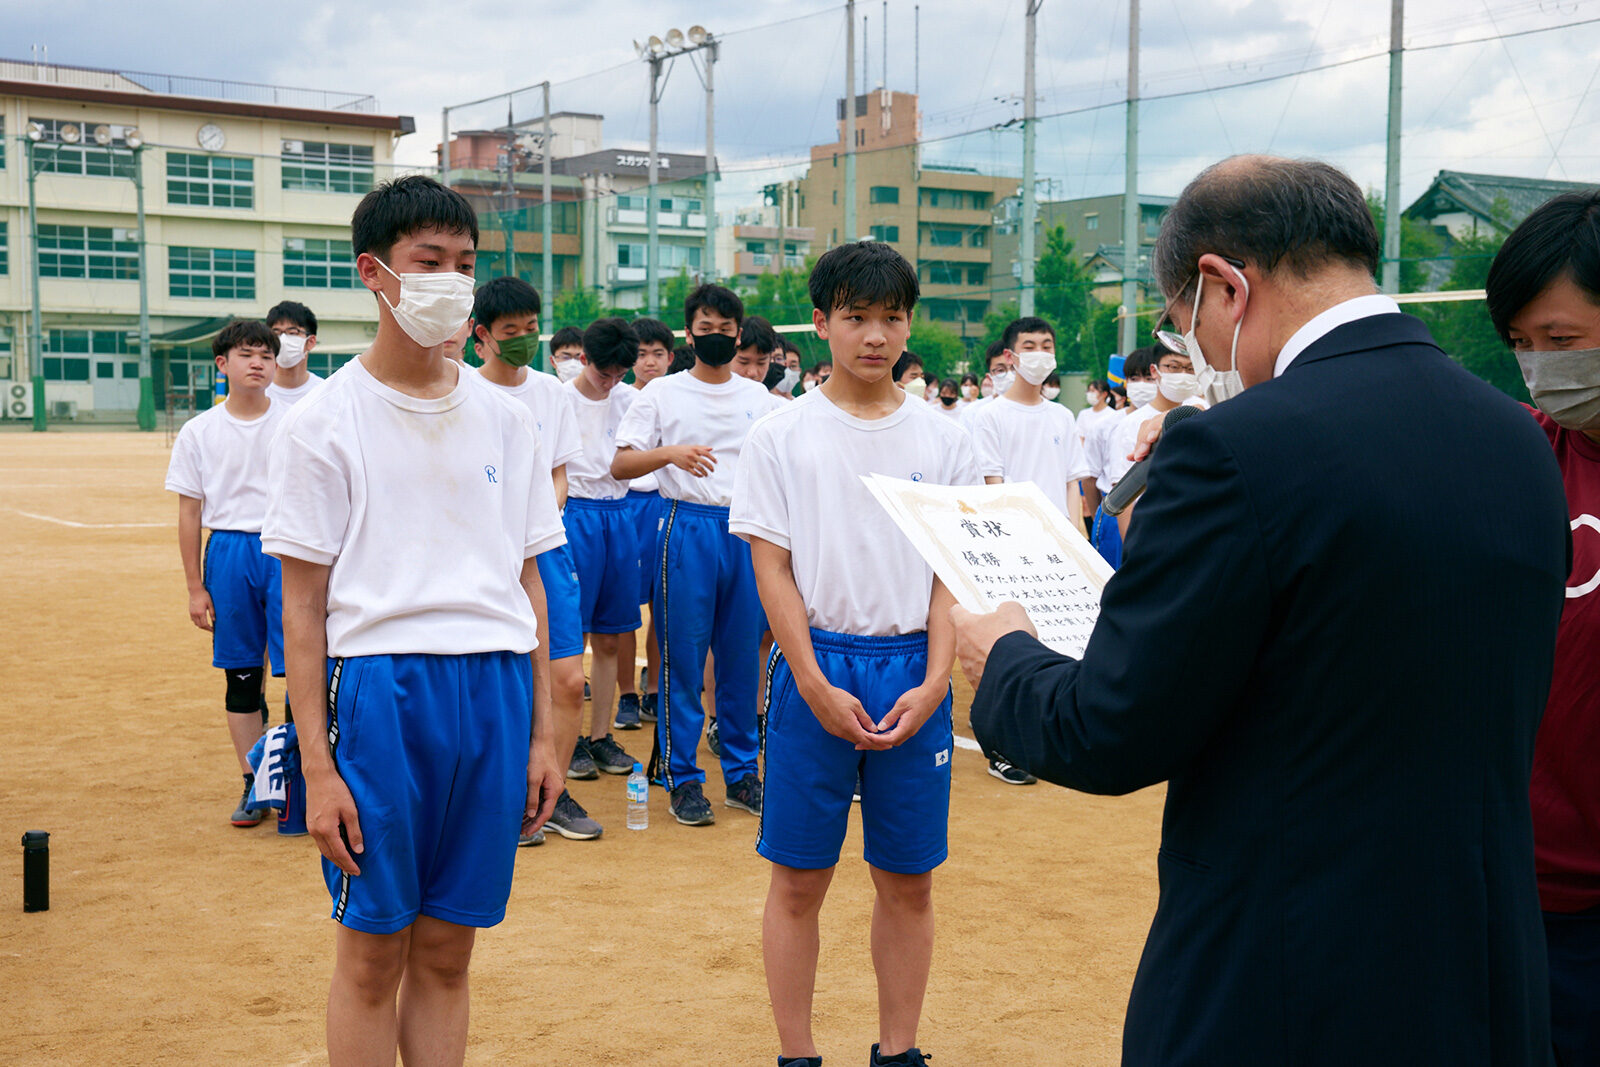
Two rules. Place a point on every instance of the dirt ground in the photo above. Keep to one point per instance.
(175, 938)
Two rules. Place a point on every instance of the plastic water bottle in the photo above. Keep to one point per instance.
(638, 799)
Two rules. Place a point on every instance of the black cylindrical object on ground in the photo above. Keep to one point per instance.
(36, 871)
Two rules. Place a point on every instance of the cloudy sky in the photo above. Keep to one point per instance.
(1482, 92)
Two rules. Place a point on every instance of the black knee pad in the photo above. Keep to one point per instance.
(244, 690)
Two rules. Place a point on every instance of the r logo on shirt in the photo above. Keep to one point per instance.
(488, 469)
(916, 476)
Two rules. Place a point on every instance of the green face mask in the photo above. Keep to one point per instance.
(519, 351)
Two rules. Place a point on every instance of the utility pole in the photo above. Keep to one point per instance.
(1130, 194)
(1030, 207)
(444, 147)
(147, 388)
(508, 234)
(708, 270)
(549, 226)
(652, 280)
(849, 121)
(1391, 185)
(35, 326)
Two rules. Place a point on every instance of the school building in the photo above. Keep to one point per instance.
(247, 189)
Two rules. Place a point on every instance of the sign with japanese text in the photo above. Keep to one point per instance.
(994, 543)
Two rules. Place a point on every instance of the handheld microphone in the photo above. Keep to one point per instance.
(1131, 487)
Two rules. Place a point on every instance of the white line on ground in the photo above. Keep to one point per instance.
(89, 525)
(968, 743)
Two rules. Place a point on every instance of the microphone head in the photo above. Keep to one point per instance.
(1177, 415)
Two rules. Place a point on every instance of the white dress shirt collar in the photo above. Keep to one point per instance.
(1359, 307)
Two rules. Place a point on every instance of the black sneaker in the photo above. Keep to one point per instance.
(582, 765)
(609, 756)
(627, 712)
(1009, 774)
(911, 1057)
(571, 821)
(586, 694)
(855, 798)
(246, 814)
(713, 739)
(690, 807)
(647, 707)
(745, 794)
(799, 1061)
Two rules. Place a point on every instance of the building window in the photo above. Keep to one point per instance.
(320, 167)
(836, 196)
(55, 155)
(944, 236)
(979, 239)
(316, 263)
(880, 233)
(755, 246)
(325, 363)
(67, 353)
(88, 252)
(1092, 221)
(630, 203)
(977, 274)
(944, 273)
(884, 194)
(2, 142)
(210, 181)
(5, 246)
(216, 273)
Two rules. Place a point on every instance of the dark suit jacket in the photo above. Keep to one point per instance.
(1332, 636)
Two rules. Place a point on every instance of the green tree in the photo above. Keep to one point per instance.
(939, 346)
(1421, 249)
(576, 307)
(783, 299)
(1462, 327)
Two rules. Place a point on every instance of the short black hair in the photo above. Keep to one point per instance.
(653, 331)
(757, 333)
(819, 364)
(291, 311)
(1100, 384)
(249, 332)
(566, 337)
(1562, 236)
(404, 206)
(863, 272)
(1141, 362)
(995, 350)
(501, 298)
(718, 298)
(682, 359)
(969, 377)
(1297, 213)
(610, 343)
(950, 383)
(788, 345)
(907, 360)
(1018, 327)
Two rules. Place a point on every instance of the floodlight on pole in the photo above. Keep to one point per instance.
(133, 139)
(675, 39)
(102, 135)
(70, 133)
(698, 35)
(35, 132)
(656, 46)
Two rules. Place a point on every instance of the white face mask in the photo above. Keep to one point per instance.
(1034, 366)
(432, 306)
(1178, 387)
(810, 385)
(568, 369)
(969, 391)
(1091, 398)
(1050, 392)
(1215, 386)
(1141, 393)
(786, 384)
(917, 389)
(291, 350)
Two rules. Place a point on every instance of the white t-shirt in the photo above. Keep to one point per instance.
(1035, 443)
(1121, 441)
(650, 483)
(589, 473)
(425, 509)
(952, 412)
(680, 409)
(1088, 417)
(1097, 446)
(291, 397)
(552, 414)
(799, 486)
(221, 460)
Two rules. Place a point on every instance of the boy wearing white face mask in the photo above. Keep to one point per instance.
(566, 353)
(296, 327)
(409, 500)
(1172, 383)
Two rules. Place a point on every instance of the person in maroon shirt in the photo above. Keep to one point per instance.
(1544, 298)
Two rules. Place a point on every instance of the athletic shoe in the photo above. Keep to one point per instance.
(571, 821)
(745, 794)
(245, 814)
(586, 694)
(690, 807)
(1009, 774)
(647, 707)
(799, 1061)
(608, 755)
(627, 712)
(582, 766)
(855, 798)
(528, 840)
(911, 1057)
(714, 739)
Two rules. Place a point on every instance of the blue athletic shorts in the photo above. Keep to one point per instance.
(246, 587)
(905, 791)
(605, 548)
(649, 515)
(434, 750)
(562, 604)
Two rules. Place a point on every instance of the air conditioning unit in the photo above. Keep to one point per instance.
(64, 409)
(19, 400)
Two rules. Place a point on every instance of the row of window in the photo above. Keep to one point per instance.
(955, 199)
(669, 257)
(81, 355)
(939, 273)
(626, 202)
(104, 252)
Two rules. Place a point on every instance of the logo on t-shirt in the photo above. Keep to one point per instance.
(916, 476)
(488, 469)
(1592, 583)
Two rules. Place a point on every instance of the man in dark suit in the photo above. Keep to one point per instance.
(1332, 637)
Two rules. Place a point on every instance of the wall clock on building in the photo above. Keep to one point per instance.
(211, 137)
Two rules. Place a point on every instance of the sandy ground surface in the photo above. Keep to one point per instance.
(175, 938)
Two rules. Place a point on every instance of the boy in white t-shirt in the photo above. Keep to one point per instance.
(689, 427)
(219, 471)
(600, 527)
(505, 325)
(860, 689)
(409, 501)
(296, 327)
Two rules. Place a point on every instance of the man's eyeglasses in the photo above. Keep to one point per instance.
(1172, 340)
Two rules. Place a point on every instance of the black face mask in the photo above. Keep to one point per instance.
(715, 349)
(948, 401)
